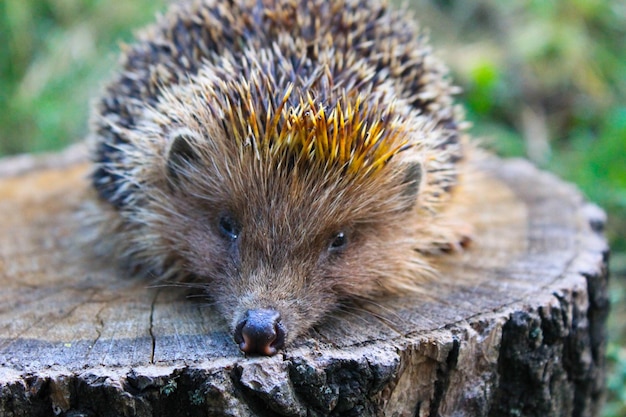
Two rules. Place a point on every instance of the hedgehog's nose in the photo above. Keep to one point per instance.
(260, 332)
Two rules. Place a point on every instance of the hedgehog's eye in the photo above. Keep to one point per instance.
(338, 242)
(228, 227)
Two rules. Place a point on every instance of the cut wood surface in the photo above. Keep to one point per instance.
(514, 325)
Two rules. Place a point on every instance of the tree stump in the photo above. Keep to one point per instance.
(515, 326)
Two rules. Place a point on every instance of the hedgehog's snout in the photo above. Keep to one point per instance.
(260, 332)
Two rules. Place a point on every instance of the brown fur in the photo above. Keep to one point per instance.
(296, 121)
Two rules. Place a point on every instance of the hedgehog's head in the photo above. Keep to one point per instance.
(283, 203)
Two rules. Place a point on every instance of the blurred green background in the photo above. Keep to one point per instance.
(543, 79)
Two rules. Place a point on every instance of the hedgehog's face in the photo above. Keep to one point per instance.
(286, 209)
(279, 244)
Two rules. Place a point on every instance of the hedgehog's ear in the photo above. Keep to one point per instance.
(411, 180)
(181, 155)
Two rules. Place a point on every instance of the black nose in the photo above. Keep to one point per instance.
(260, 332)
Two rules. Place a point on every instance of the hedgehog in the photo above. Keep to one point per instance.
(288, 157)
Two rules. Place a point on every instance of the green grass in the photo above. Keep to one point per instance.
(54, 57)
(544, 79)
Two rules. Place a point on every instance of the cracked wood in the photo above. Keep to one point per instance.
(513, 326)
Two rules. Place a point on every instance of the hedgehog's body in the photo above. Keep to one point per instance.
(289, 155)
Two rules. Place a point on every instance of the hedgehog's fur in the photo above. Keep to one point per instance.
(297, 122)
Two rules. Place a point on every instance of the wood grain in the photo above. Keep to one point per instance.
(513, 326)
